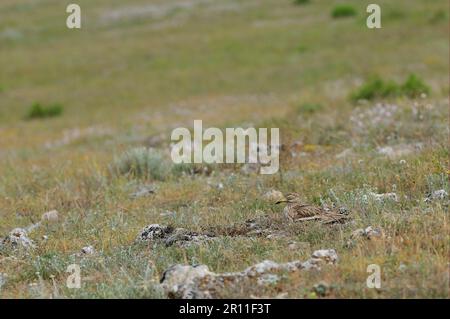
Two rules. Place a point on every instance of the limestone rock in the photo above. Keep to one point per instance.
(144, 191)
(88, 250)
(170, 236)
(273, 196)
(440, 194)
(192, 282)
(51, 216)
(153, 232)
(18, 238)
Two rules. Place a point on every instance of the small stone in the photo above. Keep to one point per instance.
(154, 231)
(440, 194)
(18, 237)
(277, 235)
(371, 232)
(357, 233)
(384, 197)
(143, 191)
(261, 268)
(328, 255)
(88, 250)
(198, 282)
(51, 216)
(170, 236)
(273, 196)
(180, 281)
(185, 238)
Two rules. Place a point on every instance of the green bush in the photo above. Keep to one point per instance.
(38, 111)
(142, 162)
(376, 88)
(414, 87)
(308, 108)
(342, 11)
(299, 2)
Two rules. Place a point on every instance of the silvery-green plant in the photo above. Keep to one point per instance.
(142, 162)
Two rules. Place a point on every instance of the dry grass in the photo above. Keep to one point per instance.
(121, 82)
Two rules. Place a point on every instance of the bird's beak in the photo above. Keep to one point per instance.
(284, 200)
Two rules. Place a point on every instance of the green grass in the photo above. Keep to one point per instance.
(415, 86)
(309, 108)
(38, 111)
(130, 74)
(343, 11)
(301, 2)
(376, 88)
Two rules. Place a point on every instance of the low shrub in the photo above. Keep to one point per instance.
(300, 2)
(38, 111)
(343, 11)
(375, 88)
(414, 87)
(142, 162)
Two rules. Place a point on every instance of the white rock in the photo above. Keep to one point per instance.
(51, 216)
(384, 197)
(371, 232)
(88, 250)
(273, 196)
(153, 231)
(357, 233)
(180, 281)
(18, 237)
(261, 268)
(328, 255)
(439, 194)
(187, 282)
(144, 191)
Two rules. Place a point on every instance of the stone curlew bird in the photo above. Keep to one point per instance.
(296, 211)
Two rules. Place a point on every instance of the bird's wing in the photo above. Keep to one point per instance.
(333, 217)
(297, 211)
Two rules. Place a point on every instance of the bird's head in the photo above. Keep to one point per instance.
(290, 198)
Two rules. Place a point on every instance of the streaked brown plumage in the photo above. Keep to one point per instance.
(297, 210)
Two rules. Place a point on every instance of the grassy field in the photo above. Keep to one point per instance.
(138, 69)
